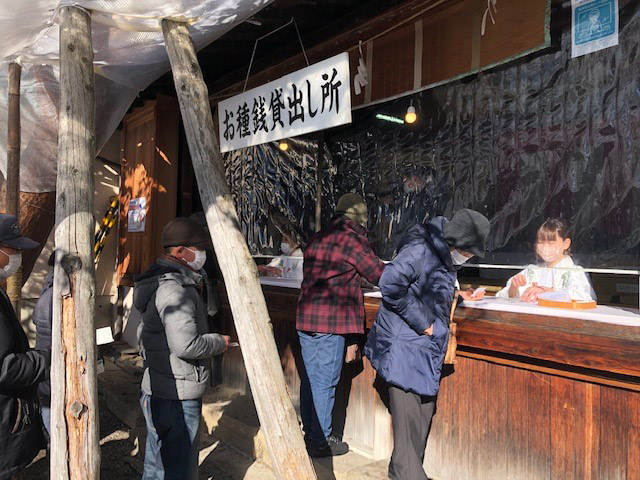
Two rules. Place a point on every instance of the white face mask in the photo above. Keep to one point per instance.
(198, 262)
(550, 253)
(457, 257)
(15, 260)
(286, 249)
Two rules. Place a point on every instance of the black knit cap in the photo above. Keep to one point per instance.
(185, 232)
(468, 230)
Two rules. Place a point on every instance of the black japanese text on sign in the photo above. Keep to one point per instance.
(311, 99)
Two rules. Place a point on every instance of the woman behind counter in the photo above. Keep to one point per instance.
(287, 265)
(553, 247)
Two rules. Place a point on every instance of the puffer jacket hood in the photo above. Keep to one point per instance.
(164, 270)
(431, 233)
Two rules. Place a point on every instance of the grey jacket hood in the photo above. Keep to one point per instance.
(162, 271)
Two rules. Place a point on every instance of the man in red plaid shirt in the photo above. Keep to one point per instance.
(331, 305)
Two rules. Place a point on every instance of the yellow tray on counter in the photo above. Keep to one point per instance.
(572, 305)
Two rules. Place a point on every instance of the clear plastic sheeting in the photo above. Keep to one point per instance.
(129, 54)
(549, 136)
(275, 191)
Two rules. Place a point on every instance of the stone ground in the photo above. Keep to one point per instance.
(232, 445)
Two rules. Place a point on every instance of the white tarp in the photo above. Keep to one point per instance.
(129, 54)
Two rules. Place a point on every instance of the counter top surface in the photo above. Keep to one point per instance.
(496, 328)
(281, 282)
(297, 283)
(602, 313)
(616, 315)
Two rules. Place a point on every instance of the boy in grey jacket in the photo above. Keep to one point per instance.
(176, 347)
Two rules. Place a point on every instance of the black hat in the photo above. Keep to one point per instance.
(185, 232)
(468, 230)
(10, 234)
(200, 218)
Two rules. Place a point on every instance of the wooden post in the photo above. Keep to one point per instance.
(13, 141)
(12, 201)
(319, 175)
(275, 411)
(75, 449)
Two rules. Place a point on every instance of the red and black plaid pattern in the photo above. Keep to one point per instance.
(335, 262)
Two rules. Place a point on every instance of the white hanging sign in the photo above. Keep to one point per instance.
(311, 99)
(594, 25)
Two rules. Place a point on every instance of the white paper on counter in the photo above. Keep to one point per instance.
(620, 316)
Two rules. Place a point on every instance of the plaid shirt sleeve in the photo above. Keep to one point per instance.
(366, 263)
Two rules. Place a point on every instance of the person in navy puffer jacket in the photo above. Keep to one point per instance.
(408, 341)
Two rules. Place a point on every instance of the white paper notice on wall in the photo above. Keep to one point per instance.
(137, 214)
(311, 99)
(594, 25)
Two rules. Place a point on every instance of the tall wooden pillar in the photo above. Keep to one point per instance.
(75, 449)
(275, 411)
(12, 201)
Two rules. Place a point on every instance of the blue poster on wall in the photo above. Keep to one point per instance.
(594, 26)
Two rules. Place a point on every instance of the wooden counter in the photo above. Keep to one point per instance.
(531, 397)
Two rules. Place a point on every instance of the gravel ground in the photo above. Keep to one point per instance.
(116, 446)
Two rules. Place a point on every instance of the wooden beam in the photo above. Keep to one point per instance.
(75, 449)
(12, 201)
(347, 40)
(275, 411)
(585, 375)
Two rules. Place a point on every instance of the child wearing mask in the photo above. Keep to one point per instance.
(553, 247)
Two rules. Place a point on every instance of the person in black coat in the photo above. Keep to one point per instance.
(21, 368)
(42, 319)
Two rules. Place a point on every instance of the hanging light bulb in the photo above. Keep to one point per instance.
(410, 116)
(283, 145)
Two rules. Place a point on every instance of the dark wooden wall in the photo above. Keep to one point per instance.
(497, 418)
(422, 43)
(149, 169)
(499, 422)
(37, 217)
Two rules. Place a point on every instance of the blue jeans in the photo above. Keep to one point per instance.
(173, 438)
(45, 411)
(323, 355)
